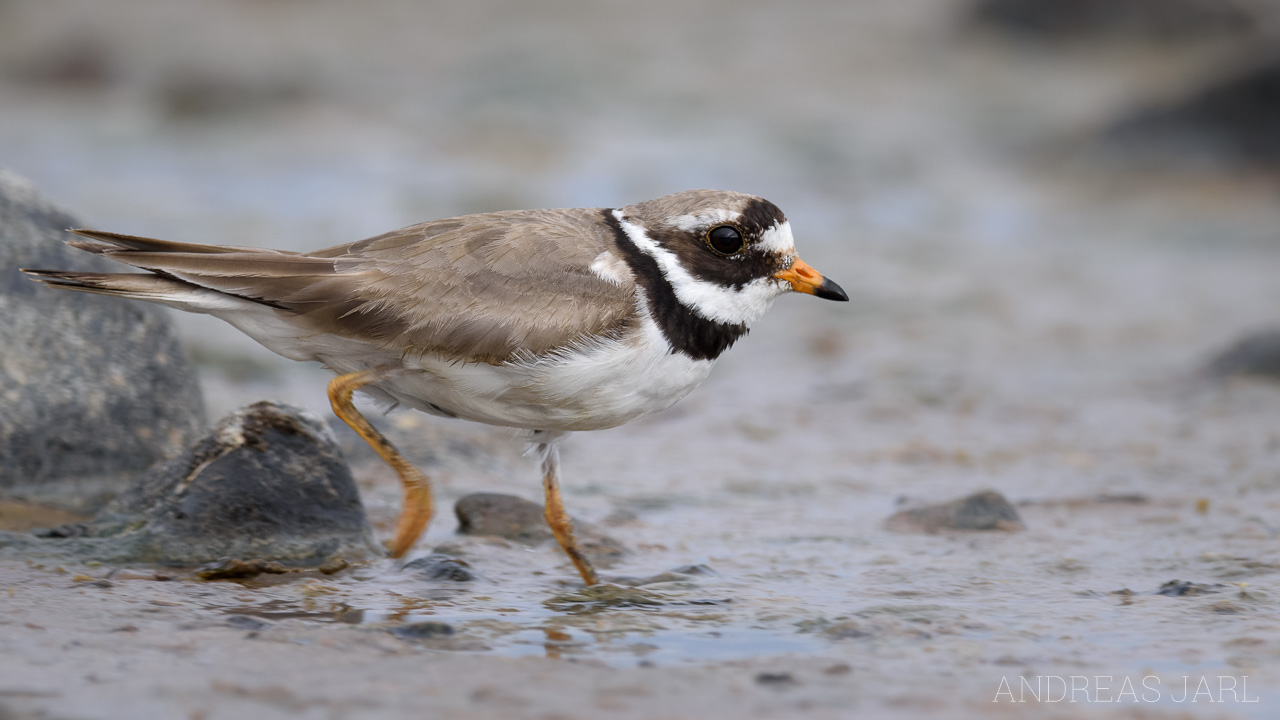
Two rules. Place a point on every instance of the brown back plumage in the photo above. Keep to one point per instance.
(480, 288)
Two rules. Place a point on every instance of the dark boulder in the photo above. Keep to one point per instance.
(268, 483)
(1254, 355)
(93, 390)
(1093, 20)
(1230, 121)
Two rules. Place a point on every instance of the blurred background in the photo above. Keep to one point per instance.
(1040, 166)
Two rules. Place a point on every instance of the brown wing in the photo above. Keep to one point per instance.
(483, 288)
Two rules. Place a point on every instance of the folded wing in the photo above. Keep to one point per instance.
(481, 288)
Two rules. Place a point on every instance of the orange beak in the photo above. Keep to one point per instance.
(811, 282)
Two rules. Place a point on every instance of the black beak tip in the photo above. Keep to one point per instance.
(830, 291)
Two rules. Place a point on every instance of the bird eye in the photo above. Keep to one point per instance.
(725, 240)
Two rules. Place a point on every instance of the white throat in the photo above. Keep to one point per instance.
(710, 300)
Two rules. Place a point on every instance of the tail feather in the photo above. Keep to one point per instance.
(109, 242)
(154, 288)
(200, 278)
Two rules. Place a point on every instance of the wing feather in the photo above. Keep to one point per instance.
(479, 288)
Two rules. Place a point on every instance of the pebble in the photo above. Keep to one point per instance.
(424, 630)
(775, 679)
(987, 510)
(505, 516)
(520, 520)
(232, 569)
(441, 567)
(246, 622)
(1181, 588)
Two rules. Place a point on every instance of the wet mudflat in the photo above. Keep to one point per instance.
(1019, 321)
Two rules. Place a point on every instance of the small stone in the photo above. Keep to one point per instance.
(987, 510)
(441, 567)
(698, 569)
(684, 573)
(838, 669)
(602, 597)
(845, 630)
(232, 569)
(425, 630)
(1123, 498)
(1226, 607)
(127, 574)
(514, 518)
(775, 679)
(70, 530)
(634, 581)
(246, 622)
(1181, 588)
(505, 516)
(333, 566)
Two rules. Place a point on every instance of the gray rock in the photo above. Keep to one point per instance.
(246, 622)
(504, 516)
(93, 390)
(269, 483)
(514, 518)
(424, 630)
(1256, 355)
(1230, 121)
(1090, 20)
(441, 567)
(1183, 588)
(987, 510)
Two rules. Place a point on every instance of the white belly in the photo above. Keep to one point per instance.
(601, 385)
(604, 385)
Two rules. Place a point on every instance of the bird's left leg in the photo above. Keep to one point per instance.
(417, 489)
(548, 447)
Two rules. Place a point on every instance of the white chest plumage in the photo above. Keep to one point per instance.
(600, 384)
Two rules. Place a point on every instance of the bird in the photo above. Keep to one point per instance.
(551, 321)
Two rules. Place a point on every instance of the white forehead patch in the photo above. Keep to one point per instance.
(777, 239)
(708, 299)
(610, 268)
(689, 223)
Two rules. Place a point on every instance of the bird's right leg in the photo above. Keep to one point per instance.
(548, 446)
(417, 489)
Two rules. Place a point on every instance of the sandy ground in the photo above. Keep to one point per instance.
(1019, 321)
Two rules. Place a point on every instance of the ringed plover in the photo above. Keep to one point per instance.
(549, 320)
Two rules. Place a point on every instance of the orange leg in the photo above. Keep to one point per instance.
(557, 518)
(417, 489)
